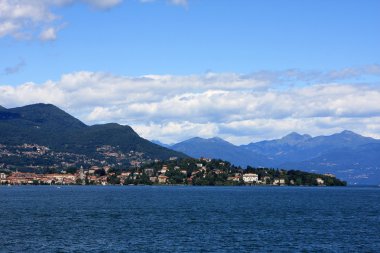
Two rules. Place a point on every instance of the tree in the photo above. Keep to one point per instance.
(113, 179)
(71, 170)
(175, 176)
(144, 179)
(100, 172)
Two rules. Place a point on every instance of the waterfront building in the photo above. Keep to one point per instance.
(250, 178)
(279, 181)
(162, 179)
(320, 181)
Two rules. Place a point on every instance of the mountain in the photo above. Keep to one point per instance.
(350, 156)
(219, 149)
(296, 147)
(281, 148)
(47, 125)
(356, 165)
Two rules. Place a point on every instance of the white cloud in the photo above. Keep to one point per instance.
(26, 18)
(179, 2)
(239, 108)
(103, 4)
(26, 10)
(8, 27)
(171, 132)
(48, 34)
(174, 2)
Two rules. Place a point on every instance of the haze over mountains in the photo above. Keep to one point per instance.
(348, 155)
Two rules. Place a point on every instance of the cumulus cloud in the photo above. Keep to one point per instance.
(48, 34)
(7, 27)
(295, 76)
(26, 19)
(23, 19)
(240, 108)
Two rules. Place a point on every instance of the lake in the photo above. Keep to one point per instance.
(189, 219)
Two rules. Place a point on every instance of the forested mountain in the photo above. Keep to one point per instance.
(47, 125)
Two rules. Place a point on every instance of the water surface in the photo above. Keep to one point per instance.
(189, 219)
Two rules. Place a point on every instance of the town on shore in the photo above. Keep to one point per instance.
(175, 171)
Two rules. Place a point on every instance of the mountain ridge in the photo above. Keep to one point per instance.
(347, 154)
(48, 125)
(219, 149)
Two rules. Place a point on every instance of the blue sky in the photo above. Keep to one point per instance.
(220, 36)
(274, 46)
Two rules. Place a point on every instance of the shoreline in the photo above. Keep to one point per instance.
(199, 186)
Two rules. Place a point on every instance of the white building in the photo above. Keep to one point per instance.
(3, 176)
(250, 178)
(164, 169)
(279, 181)
(320, 181)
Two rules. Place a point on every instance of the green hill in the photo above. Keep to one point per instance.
(47, 125)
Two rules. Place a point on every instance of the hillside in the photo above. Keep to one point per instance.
(49, 126)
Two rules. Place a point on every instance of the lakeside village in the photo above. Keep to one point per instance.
(142, 171)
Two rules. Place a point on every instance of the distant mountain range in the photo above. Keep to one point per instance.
(47, 125)
(348, 155)
(219, 148)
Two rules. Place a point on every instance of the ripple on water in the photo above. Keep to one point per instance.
(189, 219)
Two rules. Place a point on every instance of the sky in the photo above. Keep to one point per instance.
(241, 70)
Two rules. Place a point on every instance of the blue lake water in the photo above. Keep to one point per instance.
(189, 219)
